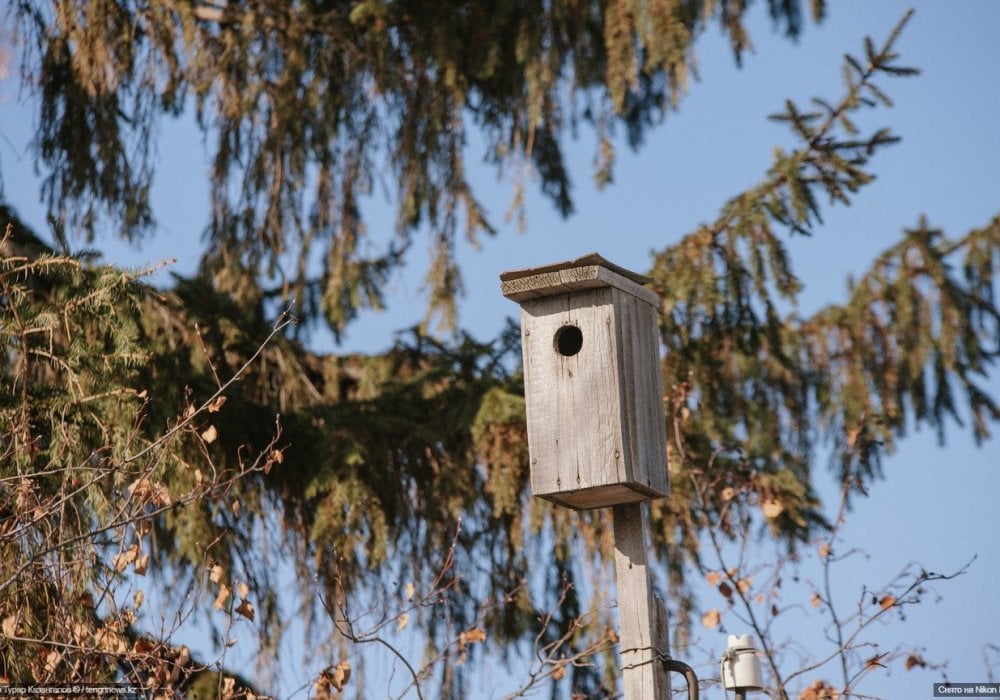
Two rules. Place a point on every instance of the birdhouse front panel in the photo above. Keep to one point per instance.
(596, 431)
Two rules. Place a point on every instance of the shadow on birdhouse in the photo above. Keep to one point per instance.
(593, 391)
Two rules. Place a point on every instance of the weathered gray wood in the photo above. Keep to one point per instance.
(583, 261)
(641, 391)
(596, 430)
(549, 280)
(643, 633)
(574, 423)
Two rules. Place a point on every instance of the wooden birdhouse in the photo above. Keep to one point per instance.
(592, 385)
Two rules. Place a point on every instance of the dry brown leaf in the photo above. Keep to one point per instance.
(745, 584)
(143, 394)
(887, 602)
(341, 674)
(220, 600)
(913, 660)
(820, 690)
(80, 633)
(141, 564)
(245, 609)
(52, 660)
(759, 599)
(143, 646)
(216, 404)
(10, 626)
(123, 559)
(713, 578)
(228, 686)
(476, 634)
(110, 641)
(727, 494)
(137, 599)
(711, 619)
(243, 589)
(410, 590)
(772, 508)
(726, 590)
(404, 620)
(815, 600)
(875, 661)
(236, 507)
(210, 434)
(559, 672)
(216, 573)
(189, 411)
(824, 550)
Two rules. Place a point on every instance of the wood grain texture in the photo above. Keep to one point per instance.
(641, 391)
(643, 633)
(583, 261)
(560, 281)
(574, 421)
(596, 431)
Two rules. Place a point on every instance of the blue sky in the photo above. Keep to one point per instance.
(938, 504)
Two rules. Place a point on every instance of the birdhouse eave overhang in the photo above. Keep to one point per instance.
(591, 271)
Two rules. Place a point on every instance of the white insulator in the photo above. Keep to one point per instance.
(741, 669)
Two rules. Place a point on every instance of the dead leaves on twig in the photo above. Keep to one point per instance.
(820, 690)
(332, 678)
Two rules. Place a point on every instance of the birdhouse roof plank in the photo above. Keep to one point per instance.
(588, 272)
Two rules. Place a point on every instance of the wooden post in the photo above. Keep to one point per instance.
(643, 636)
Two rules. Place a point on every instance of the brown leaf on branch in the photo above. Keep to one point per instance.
(875, 662)
(887, 602)
(819, 690)
(476, 634)
(210, 434)
(340, 675)
(220, 600)
(216, 404)
(123, 559)
(141, 564)
(245, 609)
(914, 661)
(711, 619)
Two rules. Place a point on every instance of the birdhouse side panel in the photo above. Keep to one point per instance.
(572, 393)
(641, 393)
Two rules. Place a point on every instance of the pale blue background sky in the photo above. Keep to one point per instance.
(938, 505)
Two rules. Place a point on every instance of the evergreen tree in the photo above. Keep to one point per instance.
(126, 435)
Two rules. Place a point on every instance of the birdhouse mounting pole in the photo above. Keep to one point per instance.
(642, 616)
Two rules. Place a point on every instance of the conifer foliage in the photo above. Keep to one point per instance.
(312, 104)
(190, 434)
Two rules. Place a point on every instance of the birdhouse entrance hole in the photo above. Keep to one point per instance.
(569, 340)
